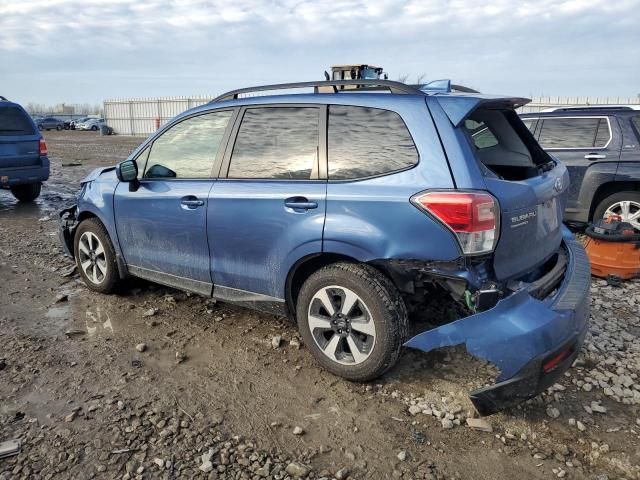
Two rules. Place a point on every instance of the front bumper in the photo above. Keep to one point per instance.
(520, 334)
(67, 223)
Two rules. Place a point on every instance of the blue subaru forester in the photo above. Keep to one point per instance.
(351, 209)
(24, 164)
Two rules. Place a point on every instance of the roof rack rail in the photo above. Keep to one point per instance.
(393, 87)
(4, 98)
(591, 107)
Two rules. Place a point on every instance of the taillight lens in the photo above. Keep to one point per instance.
(472, 216)
(43, 147)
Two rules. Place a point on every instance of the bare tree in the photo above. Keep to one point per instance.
(420, 78)
(403, 78)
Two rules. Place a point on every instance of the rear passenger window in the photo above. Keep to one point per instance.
(364, 142)
(188, 149)
(13, 121)
(574, 132)
(277, 142)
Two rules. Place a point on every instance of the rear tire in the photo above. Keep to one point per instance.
(26, 193)
(359, 344)
(95, 256)
(625, 204)
(58, 127)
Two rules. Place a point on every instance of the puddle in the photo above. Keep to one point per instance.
(50, 200)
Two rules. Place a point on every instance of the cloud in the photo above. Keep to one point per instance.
(92, 49)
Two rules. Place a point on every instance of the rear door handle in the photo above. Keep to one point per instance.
(300, 203)
(190, 202)
(594, 156)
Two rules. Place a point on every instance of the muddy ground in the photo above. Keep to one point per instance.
(210, 396)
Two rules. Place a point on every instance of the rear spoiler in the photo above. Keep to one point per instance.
(458, 107)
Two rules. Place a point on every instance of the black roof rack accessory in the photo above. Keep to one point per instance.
(393, 87)
(4, 98)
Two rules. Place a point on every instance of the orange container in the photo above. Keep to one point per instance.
(620, 259)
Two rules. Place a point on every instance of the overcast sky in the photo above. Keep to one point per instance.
(80, 51)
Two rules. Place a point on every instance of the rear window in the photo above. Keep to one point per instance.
(365, 142)
(575, 132)
(636, 123)
(14, 121)
(503, 143)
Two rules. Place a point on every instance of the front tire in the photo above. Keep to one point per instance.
(26, 193)
(353, 320)
(94, 128)
(625, 204)
(95, 256)
(58, 128)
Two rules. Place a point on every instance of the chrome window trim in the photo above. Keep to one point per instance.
(553, 149)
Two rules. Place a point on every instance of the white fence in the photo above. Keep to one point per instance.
(140, 116)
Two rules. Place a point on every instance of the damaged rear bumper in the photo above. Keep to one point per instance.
(531, 341)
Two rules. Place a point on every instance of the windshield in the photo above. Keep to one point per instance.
(369, 73)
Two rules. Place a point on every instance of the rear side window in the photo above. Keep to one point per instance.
(188, 149)
(575, 132)
(365, 142)
(14, 121)
(277, 143)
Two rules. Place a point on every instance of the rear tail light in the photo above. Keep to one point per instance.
(472, 216)
(43, 147)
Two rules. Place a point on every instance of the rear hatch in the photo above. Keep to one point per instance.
(531, 189)
(19, 139)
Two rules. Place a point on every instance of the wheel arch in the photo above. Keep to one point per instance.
(309, 264)
(609, 188)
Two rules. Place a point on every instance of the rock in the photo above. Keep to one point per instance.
(596, 407)
(120, 405)
(553, 412)
(61, 298)
(275, 341)
(207, 458)
(298, 430)
(71, 417)
(150, 313)
(180, 357)
(141, 347)
(580, 426)
(342, 474)
(159, 462)
(297, 470)
(479, 424)
(295, 343)
(414, 409)
(447, 424)
(402, 455)
(264, 470)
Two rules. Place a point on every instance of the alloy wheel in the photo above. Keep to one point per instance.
(628, 210)
(341, 325)
(92, 257)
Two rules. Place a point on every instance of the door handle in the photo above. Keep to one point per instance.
(300, 203)
(190, 202)
(594, 156)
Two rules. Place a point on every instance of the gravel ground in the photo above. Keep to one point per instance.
(156, 383)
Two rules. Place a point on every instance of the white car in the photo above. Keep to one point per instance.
(90, 124)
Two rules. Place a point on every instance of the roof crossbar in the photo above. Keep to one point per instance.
(393, 87)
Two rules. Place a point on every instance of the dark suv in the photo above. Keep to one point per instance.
(600, 145)
(24, 163)
(349, 211)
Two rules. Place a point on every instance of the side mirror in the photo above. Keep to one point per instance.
(127, 171)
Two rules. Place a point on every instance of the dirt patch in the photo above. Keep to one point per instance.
(209, 396)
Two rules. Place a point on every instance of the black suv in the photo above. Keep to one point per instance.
(600, 146)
